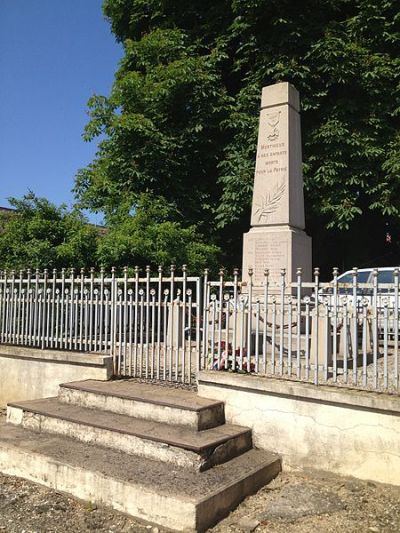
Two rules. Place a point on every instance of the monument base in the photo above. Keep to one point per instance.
(276, 247)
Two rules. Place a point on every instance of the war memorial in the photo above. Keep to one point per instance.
(172, 397)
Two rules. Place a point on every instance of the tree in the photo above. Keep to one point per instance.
(40, 235)
(181, 120)
(150, 236)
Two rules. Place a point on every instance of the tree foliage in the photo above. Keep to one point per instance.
(40, 235)
(181, 120)
(151, 236)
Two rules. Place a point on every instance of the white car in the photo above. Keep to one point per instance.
(364, 276)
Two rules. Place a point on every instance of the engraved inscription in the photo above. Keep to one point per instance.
(269, 253)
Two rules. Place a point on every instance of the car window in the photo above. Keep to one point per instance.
(361, 278)
(385, 276)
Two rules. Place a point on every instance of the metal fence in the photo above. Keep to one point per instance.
(346, 334)
(168, 326)
(149, 324)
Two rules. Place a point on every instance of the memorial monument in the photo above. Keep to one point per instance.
(277, 238)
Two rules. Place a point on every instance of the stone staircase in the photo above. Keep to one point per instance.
(161, 454)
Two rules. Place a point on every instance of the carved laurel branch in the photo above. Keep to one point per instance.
(270, 202)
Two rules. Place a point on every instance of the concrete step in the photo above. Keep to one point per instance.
(150, 402)
(171, 497)
(185, 447)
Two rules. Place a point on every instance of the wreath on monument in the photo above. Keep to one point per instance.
(269, 203)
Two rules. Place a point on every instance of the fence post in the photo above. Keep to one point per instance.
(282, 319)
(183, 324)
(147, 336)
(396, 328)
(113, 310)
(159, 311)
(335, 273)
(265, 326)
(234, 327)
(299, 273)
(205, 317)
(375, 325)
(199, 305)
(355, 324)
(249, 319)
(315, 330)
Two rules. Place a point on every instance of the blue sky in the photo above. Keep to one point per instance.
(54, 54)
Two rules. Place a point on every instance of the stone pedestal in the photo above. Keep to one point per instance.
(321, 345)
(276, 248)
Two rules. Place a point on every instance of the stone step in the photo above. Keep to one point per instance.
(171, 497)
(150, 402)
(185, 447)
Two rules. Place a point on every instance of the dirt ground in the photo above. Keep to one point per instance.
(293, 502)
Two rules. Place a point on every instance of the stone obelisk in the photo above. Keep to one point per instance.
(277, 238)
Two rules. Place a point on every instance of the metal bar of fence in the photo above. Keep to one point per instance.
(375, 327)
(200, 365)
(298, 321)
(249, 306)
(220, 313)
(316, 328)
(335, 324)
(147, 320)
(282, 318)
(159, 311)
(355, 325)
(396, 329)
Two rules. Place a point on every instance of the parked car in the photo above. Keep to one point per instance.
(364, 276)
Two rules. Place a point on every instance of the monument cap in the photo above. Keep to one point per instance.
(280, 94)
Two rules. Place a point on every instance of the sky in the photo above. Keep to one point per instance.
(54, 54)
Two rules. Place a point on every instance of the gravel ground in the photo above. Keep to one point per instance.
(311, 502)
(293, 502)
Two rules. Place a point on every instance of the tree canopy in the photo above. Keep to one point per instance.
(152, 236)
(39, 234)
(180, 123)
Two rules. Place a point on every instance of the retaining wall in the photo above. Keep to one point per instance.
(339, 430)
(30, 373)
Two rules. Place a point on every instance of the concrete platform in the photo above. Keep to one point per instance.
(178, 445)
(160, 404)
(157, 492)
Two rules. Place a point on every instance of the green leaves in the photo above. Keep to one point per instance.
(148, 236)
(40, 235)
(181, 121)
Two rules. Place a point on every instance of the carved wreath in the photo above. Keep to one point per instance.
(269, 204)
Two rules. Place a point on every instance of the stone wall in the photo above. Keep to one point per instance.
(29, 373)
(338, 430)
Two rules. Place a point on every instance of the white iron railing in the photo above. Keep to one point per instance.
(334, 333)
(149, 324)
(169, 326)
